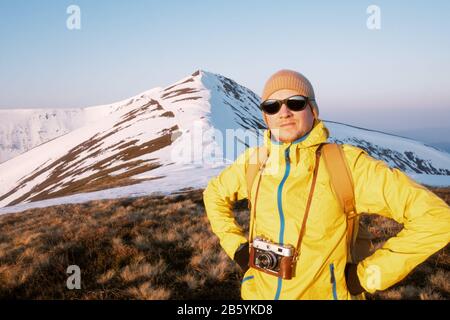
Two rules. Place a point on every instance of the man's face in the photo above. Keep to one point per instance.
(287, 125)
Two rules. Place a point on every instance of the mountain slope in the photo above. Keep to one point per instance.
(22, 130)
(406, 154)
(131, 139)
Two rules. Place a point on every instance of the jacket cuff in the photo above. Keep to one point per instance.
(231, 242)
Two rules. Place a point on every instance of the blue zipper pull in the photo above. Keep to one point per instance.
(286, 155)
(333, 280)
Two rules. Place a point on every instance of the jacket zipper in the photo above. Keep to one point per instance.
(280, 211)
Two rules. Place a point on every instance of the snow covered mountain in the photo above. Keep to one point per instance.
(24, 129)
(165, 140)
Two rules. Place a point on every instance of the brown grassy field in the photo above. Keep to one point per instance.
(152, 248)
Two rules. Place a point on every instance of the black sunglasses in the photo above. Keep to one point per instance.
(294, 103)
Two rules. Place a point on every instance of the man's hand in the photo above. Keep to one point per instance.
(242, 256)
(353, 284)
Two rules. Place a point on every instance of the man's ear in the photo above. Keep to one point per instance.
(316, 119)
(313, 112)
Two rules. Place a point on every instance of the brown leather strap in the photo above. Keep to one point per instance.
(308, 204)
(341, 180)
(340, 177)
(253, 207)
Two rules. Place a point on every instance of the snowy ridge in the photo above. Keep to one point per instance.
(406, 154)
(22, 130)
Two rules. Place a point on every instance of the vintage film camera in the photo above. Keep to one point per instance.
(272, 258)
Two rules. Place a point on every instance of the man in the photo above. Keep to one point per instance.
(282, 195)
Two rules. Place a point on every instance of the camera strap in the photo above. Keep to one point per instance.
(308, 204)
(263, 155)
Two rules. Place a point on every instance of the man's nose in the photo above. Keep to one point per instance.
(284, 111)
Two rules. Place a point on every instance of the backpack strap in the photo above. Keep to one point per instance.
(342, 183)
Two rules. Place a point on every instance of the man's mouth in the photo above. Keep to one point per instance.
(287, 124)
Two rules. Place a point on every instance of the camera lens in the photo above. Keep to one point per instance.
(266, 260)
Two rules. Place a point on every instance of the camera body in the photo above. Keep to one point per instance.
(272, 258)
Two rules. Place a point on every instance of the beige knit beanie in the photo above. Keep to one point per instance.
(288, 79)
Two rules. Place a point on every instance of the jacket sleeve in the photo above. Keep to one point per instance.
(425, 218)
(219, 196)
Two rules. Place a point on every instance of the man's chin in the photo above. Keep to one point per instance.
(286, 135)
(286, 138)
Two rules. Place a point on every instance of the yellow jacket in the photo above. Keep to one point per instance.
(281, 205)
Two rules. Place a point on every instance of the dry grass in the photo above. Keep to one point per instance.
(142, 248)
(151, 248)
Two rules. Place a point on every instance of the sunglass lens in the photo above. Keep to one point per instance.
(270, 106)
(296, 103)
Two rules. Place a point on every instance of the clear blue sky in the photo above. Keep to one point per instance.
(364, 77)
